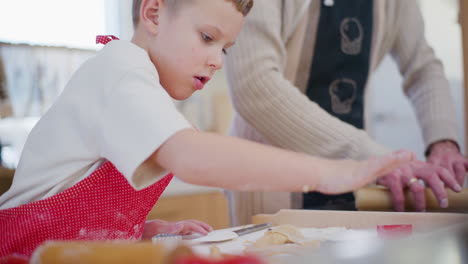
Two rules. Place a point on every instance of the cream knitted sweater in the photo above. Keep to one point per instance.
(268, 72)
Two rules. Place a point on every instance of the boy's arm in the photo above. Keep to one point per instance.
(236, 164)
(273, 105)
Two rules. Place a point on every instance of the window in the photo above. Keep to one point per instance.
(53, 22)
(35, 74)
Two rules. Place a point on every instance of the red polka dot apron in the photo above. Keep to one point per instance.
(103, 206)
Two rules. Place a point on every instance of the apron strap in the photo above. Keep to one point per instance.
(104, 39)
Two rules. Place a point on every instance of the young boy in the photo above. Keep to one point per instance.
(97, 161)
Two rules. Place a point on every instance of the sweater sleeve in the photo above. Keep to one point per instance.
(424, 83)
(273, 105)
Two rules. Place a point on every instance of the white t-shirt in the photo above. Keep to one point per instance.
(113, 109)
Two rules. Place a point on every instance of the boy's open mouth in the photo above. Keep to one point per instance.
(203, 79)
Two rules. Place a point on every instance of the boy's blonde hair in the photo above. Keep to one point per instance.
(242, 6)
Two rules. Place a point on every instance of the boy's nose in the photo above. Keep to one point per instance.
(216, 61)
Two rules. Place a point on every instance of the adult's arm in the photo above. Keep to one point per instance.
(273, 105)
(428, 89)
(425, 82)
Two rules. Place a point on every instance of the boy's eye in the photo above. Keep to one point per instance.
(205, 37)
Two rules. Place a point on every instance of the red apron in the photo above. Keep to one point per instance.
(103, 206)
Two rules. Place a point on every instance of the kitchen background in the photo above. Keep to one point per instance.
(43, 42)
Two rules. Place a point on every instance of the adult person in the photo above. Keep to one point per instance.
(299, 75)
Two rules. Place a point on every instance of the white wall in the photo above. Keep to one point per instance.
(392, 121)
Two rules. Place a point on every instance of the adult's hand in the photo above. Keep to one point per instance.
(410, 176)
(446, 154)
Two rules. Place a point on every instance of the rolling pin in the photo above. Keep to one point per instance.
(377, 198)
(83, 252)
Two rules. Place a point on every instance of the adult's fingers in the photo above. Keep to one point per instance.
(409, 179)
(437, 186)
(460, 172)
(394, 184)
(449, 179)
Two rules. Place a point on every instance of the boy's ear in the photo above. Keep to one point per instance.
(149, 15)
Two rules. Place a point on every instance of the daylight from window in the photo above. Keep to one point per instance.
(52, 22)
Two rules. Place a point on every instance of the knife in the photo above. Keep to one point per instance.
(214, 236)
(251, 229)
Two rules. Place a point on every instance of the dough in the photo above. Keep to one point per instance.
(284, 239)
(283, 234)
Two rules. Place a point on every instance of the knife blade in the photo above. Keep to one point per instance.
(251, 229)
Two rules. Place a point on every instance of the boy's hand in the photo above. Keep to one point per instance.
(184, 227)
(349, 175)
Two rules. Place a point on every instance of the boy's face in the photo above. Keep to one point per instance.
(189, 44)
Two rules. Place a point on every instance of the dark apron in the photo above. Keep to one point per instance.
(339, 75)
